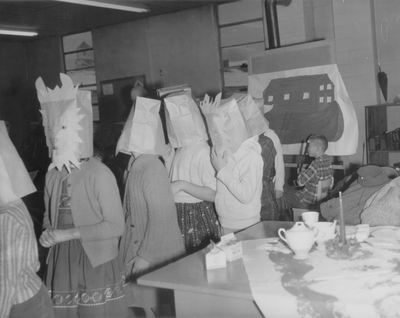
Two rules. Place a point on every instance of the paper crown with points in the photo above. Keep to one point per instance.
(68, 122)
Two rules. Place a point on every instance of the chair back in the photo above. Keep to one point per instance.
(323, 188)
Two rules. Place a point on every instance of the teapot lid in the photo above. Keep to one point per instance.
(299, 227)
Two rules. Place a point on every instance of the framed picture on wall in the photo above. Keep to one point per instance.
(115, 98)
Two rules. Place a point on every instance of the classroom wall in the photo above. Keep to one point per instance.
(13, 102)
(355, 55)
(351, 25)
(170, 49)
(45, 60)
(387, 28)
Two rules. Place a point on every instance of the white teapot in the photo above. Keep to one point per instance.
(300, 239)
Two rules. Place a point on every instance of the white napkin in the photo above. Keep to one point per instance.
(276, 245)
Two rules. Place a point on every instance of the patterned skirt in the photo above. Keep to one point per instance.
(199, 224)
(269, 206)
(78, 290)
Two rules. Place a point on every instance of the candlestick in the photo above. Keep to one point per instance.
(341, 218)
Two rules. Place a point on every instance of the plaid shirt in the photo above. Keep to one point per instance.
(319, 169)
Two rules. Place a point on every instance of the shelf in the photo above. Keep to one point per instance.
(384, 151)
(378, 120)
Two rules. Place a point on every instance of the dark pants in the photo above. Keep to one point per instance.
(290, 200)
(39, 306)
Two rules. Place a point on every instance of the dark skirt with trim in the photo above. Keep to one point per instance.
(199, 224)
(78, 290)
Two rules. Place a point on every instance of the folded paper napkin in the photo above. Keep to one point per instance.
(276, 245)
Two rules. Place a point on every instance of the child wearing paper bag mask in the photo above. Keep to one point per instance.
(22, 293)
(83, 219)
(271, 151)
(152, 237)
(190, 170)
(236, 157)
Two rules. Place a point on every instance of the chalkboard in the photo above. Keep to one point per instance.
(115, 99)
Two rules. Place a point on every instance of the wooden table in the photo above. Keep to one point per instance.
(215, 293)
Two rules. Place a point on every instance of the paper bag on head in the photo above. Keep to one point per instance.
(184, 122)
(68, 122)
(251, 113)
(15, 181)
(209, 108)
(143, 132)
(231, 125)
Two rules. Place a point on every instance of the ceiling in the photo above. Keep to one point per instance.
(52, 18)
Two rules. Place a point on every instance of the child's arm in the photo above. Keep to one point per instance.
(306, 175)
(243, 187)
(199, 192)
(169, 157)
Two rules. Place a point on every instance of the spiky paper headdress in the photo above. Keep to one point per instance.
(67, 121)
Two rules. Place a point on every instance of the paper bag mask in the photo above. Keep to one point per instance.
(251, 113)
(143, 132)
(15, 181)
(68, 122)
(184, 122)
(231, 125)
(209, 108)
(226, 125)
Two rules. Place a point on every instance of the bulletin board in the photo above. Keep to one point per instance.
(115, 99)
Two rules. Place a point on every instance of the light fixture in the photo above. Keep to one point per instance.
(15, 32)
(108, 5)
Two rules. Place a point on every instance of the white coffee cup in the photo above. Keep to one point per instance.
(310, 216)
(326, 231)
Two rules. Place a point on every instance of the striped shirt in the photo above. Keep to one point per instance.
(319, 169)
(18, 257)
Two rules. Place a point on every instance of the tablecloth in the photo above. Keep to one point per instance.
(367, 285)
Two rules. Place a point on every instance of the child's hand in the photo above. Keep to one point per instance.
(47, 239)
(218, 159)
(51, 237)
(170, 153)
(140, 266)
(300, 169)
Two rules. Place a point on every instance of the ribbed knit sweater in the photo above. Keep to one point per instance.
(151, 229)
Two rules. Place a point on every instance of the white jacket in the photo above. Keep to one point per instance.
(239, 187)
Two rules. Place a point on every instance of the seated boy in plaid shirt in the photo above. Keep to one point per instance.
(319, 169)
